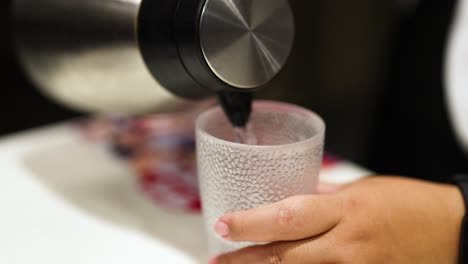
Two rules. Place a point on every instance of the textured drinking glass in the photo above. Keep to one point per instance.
(233, 177)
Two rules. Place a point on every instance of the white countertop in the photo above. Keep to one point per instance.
(65, 200)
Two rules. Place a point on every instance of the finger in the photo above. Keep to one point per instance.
(310, 251)
(295, 218)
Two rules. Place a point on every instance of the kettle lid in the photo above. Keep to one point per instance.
(246, 43)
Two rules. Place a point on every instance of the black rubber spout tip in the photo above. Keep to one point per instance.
(237, 106)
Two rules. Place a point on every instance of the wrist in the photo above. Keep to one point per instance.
(455, 204)
(457, 210)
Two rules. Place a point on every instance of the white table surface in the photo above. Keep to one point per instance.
(65, 200)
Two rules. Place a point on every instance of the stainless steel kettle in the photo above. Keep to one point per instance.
(133, 56)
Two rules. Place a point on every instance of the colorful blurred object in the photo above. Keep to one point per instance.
(161, 150)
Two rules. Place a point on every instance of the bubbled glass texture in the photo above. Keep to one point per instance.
(235, 177)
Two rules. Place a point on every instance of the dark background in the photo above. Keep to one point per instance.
(372, 69)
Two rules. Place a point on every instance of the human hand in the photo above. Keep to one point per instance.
(375, 220)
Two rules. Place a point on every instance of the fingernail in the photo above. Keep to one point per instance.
(325, 188)
(213, 260)
(222, 229)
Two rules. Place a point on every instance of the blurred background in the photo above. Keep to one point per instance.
(372, 69)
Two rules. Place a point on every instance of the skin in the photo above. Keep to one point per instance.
(376, 220)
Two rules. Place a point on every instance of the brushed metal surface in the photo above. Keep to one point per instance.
(246, 42)
(85, 54)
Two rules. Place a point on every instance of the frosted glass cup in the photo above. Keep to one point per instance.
(285, 161)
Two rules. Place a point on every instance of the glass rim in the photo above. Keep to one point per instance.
(318, 120)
